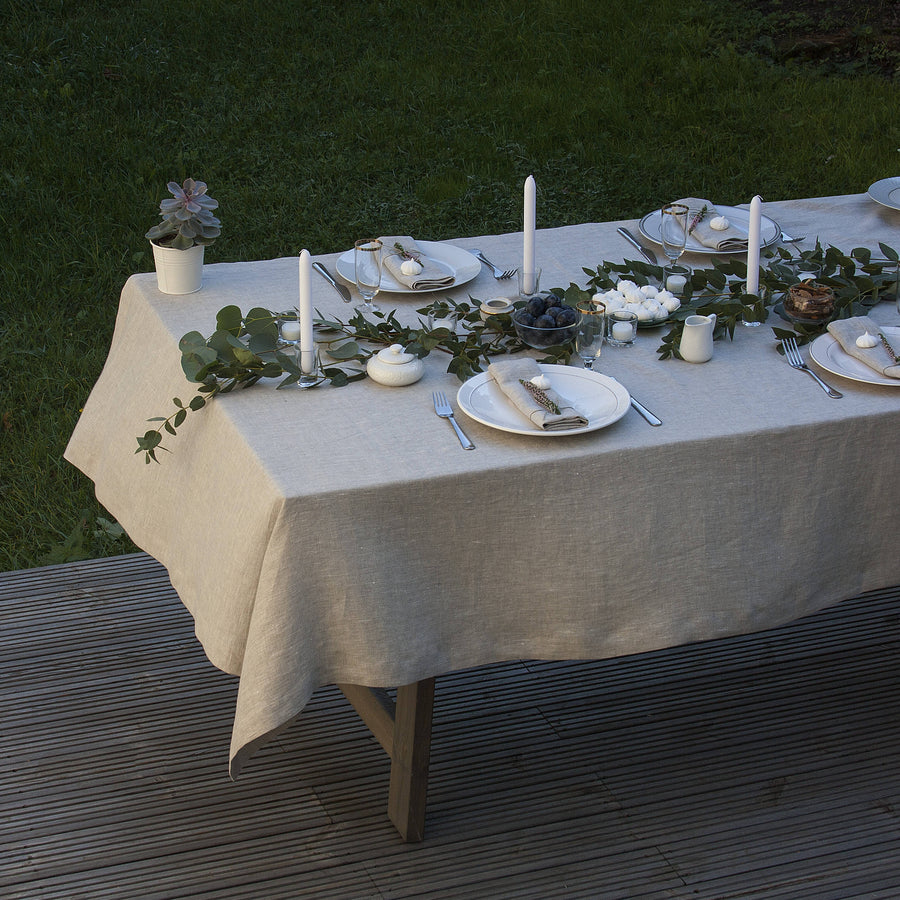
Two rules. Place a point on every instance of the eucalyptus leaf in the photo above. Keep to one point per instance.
(347, 350)
(260, 321)
(195, 359)
(229, 318)
(263, 342)
(889, 252)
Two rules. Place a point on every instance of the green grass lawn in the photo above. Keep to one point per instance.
(313, 123)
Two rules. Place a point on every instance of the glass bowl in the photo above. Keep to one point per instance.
(542, 336)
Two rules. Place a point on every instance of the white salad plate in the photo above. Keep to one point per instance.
(601, 399)
(769, 232)
(453, 260)
(827, 353)
(886, 192)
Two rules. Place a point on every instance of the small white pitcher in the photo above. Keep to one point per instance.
(697, 338)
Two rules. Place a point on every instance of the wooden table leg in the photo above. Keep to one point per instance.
(403, 728)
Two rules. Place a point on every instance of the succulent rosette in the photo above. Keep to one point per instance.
(187, 218)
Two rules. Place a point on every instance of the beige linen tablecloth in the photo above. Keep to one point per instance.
(342, 535)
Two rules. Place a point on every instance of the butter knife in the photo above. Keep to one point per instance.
(639, 407)
(647, 254)
(340, 288)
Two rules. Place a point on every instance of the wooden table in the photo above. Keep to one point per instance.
(342, 536)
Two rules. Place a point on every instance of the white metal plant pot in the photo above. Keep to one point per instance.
(178, 271)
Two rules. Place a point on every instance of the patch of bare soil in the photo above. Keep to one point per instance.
(839, 36)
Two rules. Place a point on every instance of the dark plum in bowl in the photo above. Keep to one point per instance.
(545, 321)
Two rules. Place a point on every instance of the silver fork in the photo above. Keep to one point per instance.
(445, 411)
(792, 353)
(499, 274)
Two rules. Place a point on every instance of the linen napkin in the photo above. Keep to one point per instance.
(846, 331)
(431, 278)
(509, 375)
(732, 239)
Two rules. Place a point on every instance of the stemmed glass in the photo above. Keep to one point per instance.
(591, 332)
(367, 257)
(673, 230)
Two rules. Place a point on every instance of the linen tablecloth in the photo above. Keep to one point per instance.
(342, 535)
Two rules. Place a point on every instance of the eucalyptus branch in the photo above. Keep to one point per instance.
(246, 348)
(859, 282)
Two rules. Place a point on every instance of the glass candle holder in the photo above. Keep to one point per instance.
(621, 328)
(442, 317)
(529, 283)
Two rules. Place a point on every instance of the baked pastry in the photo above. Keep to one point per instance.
(809, 301)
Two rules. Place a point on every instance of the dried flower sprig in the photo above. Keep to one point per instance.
(540, 396)
(889, 348)
(698, 218)
(406, 254)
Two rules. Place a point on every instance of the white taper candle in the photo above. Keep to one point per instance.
(307, 341)
(753, 246)
(530, 217)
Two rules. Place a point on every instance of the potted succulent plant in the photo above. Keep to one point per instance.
(187, 226)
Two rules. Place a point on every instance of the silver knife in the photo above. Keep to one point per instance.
(653, 420)
(648, 255)
(340, 288)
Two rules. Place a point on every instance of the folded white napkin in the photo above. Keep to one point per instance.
(846, 331)
(510, 375)
(398, 249)
(732, 239)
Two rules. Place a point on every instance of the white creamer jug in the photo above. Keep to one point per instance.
(697, 338)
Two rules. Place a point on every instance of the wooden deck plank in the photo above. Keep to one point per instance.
(762, 766)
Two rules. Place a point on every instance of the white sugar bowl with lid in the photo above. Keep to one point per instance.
(395, 367)
(495, 306)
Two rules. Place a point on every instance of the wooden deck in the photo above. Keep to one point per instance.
(765, 766)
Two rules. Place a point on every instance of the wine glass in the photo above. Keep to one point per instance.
(673, 231)
(367, 257)
(591, 332)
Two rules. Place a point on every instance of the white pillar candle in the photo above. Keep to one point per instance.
(676, 283)
(529, 229)
(307, 341)
(753, 246)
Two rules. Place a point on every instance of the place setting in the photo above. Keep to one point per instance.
(861, 350)
(710, 229)
(402, 265)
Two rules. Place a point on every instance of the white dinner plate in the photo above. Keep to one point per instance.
(769, 232)
(886, 192)
(598, 397)
(453, 260)
(826, 352)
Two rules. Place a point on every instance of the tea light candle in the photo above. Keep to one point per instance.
(305, 324)
(622, 331)
(290, 331)
(676, 283)
(444, 323)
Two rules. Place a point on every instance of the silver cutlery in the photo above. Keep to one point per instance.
(795, 360)
(445, 411)
(640, 408)
(499, 274)
(647, 254)
(340, 288)
(787, 239)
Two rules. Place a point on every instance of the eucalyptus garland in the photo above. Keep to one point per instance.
(859, 281)
(245, 348)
